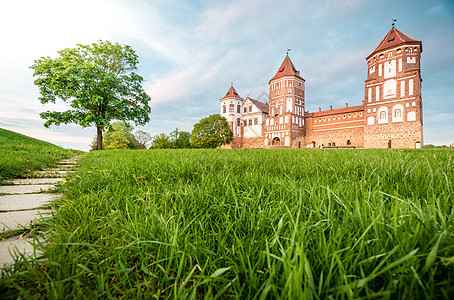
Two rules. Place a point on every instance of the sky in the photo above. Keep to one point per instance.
(191, 51)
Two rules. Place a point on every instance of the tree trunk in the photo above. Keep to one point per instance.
(99, 137)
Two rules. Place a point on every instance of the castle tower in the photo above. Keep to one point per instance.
(393, 102)
(231, 105)
(284, 125)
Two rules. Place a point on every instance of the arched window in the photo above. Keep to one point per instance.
(224, 109)
(238, 122)
(389, 88)
(238, 109)
(382, 115)
(411, 116)
(231, 108)
(397, 113)
(349, 142)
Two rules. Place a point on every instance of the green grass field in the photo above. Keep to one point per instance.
(20, 154)
(290, 224)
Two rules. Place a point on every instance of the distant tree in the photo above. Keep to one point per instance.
(99, 83)
(161, 141)
(119, 136)
(180, 139)
(211, 132)
(142, 137)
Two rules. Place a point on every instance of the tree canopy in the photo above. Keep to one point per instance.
(211, 132)
(99, 83)
(119, 136)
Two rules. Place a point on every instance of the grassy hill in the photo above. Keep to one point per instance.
(21, 154)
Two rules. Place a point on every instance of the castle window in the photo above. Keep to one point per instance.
(286, 119)
(315, 120)
(410, 87)
(329, 118)
(411, 116)
(390, 54)
(354, 115)
(250, 122)
(267, 122)
(360, 114)
(250, 108)
(289, 104)
(238, 122)
(349, 116)
(289, 91)
(238, 109)
(334, 117)
(409, 50)
(245, 109)
(382, 115)
(370, 121)
(324, 118)
(256, 121)
(344, 116)
(277, 92)
(319, 119)
(245, 123)
(397, 113)
(224, 109)
(231, 108)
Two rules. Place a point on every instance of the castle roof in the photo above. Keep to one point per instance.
(232, 93)
(336, 111)
(260, 105)
(287, 69)
(393, 38)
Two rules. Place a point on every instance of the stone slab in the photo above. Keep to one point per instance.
(10, 247)
(25, 189)
(37, 180)
(21, 219)
(23, 202)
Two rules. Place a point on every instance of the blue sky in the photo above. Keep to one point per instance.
(190, 52)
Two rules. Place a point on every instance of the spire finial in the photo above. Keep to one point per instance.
(394, 22)
(231, 83)
(288, 50)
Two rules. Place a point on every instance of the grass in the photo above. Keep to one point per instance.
(301, 224)
(20, 155)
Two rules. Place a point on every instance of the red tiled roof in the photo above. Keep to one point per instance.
(335, 111)
(393, 38)
(260, 105)
(287, 69)
(232, 93)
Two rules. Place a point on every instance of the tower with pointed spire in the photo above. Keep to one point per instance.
(392, 100)
(284, 125)
(231, 109)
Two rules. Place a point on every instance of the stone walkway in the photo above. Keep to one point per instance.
(27, 201)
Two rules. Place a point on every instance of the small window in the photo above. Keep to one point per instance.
(344, 116)
(245, 109)
(224, 109)
(349, 116)
(397, 113)
(256, 121)
(319, 119)
(238, 109)
(329, 118)
(238, 122)
(250, 108)
(334, 117)
(382, 115)
(360, 114)
(390, 54)
(289, 91)
(354, 115)
(245, 123)
(409, 50)
(324, 118)
(231, 108)
(250, 122)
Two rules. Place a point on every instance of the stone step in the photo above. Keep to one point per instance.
(50, 180)
(26, 189)
(21, 219)
(10, 247)
(25, 202)
(48, 174)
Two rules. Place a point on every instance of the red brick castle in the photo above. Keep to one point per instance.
(389, 117)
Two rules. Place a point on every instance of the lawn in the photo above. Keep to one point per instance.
(301, 224)
(20, 155)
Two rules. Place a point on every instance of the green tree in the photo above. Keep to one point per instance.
(180, 139)
(161, 141)
(99, 83)
(211, 132)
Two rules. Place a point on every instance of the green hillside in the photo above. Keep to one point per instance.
(21, 154)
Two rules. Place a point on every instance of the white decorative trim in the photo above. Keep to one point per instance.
(403, 78)
(383, 102)
(339, 128)
(338, 123)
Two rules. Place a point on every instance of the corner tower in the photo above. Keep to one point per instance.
(284, 125)
(392, 99)
(231, 105)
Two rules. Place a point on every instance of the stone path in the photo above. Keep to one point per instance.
(27, 201)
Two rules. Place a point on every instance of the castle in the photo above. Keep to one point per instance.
(390, 115)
